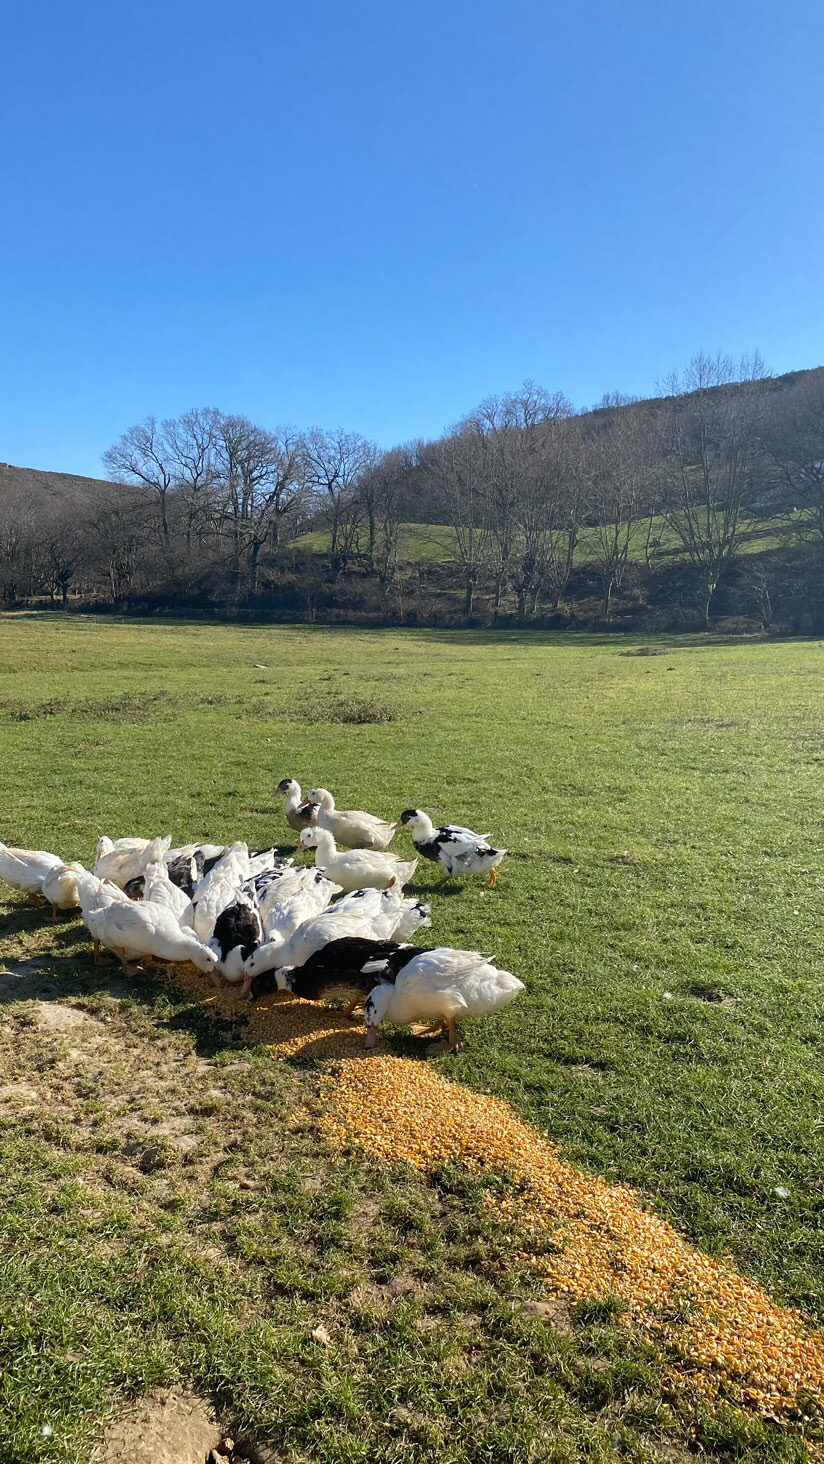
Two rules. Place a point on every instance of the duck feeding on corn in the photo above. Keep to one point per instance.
(356, 869)
(404, 984)
(457, 850)
(439, 985)
(382, 919)
(136, 930)
(351, 828)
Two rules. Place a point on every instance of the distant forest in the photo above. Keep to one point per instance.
(700, 508)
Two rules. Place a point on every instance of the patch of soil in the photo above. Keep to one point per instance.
(58, 1018)
(555, 1311)
(163, 1428)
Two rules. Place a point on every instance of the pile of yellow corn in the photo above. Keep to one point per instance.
(287, 1025)
(734, 1338)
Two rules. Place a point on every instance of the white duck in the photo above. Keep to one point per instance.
(438, 985)
(94, 897)
(394, 917)
(352, 828)
(219, 889)
(356, 869)
(299, 814)
(25, 869)
(158, 887)
(59, 887)
(126, 859)
(459, 851)
(308, 894)
(139, 929)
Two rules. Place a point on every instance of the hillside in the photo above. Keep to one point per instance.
(54, 493)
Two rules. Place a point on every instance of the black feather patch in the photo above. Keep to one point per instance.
(340, 963)
(238, 925)
(180, 871)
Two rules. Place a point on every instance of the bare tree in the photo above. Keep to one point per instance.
(259, 481)
(144, 457)
(793, 436)
(508, 430)
(118, 545)
(710, 455)
(61, 549)
(615, 495)
(546, 519)
(456, 467)
(334, 464)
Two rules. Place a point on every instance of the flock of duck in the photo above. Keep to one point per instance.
(257, 920)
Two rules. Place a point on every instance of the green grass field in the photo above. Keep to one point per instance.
(661, 900)
(435, 543)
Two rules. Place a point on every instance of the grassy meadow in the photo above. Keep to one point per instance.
(435, 543)
(661, 803)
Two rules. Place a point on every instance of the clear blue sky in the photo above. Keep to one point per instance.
(372, 214)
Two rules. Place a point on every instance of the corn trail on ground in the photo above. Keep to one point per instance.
(727, 1336)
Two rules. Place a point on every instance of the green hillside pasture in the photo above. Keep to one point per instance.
(435, 543)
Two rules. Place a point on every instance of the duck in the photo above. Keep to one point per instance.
(219, 888)
(94, 897)
(300, 813)
(356, 869)
(161, 888)
(339, 965)
(59, 887)
(459, 851)
(25, 869)
(126, 859)
(142, 929)
(351, 828)
(438, 985)
(379, 915)
(391, 913)
(308, 893)
(238, 932)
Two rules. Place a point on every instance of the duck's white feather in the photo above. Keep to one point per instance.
(351, 827)
(25, 869)
(356, 869)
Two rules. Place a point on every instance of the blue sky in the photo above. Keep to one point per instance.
(371, 215)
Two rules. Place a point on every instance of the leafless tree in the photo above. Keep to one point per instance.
(709, 459)
(118, 545)
(509, 430)
(334, 464)
(793, 437)
(615, 496)
(259, 482)
(144, 457)
(455, 465)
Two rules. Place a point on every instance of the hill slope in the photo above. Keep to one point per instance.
(53, 492)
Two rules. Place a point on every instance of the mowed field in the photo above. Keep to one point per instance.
(661, 901)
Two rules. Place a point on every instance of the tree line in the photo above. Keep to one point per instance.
(545, 507)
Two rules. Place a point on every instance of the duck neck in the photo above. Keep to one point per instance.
(325, 846)
(293, 798)
(424, 828)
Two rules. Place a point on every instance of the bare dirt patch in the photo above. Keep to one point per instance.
(163, 1428)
